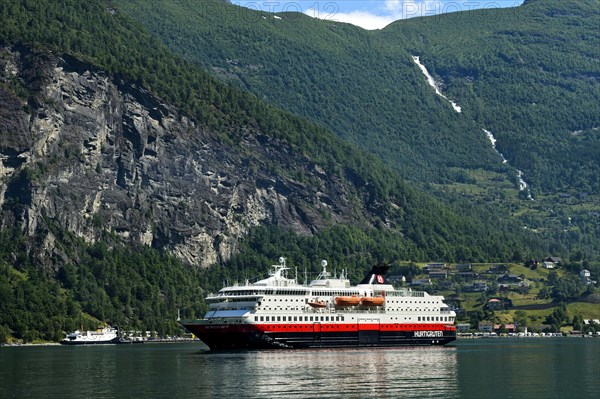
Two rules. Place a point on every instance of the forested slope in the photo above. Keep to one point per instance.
(110, 141)
(336, 74)
(528, 74)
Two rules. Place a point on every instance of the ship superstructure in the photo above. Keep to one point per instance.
(277, 312)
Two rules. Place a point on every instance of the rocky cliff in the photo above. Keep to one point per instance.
(92, 153)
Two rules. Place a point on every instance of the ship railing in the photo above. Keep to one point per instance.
(404, 293)
(333, 310)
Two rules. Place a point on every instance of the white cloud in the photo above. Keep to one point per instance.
(364, 19)
(385, 13)
(388, 11)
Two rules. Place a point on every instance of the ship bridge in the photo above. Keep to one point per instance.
(324, 279)
(278, 277)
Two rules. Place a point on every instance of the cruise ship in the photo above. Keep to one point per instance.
(278, 312)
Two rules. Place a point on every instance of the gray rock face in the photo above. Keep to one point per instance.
(93, 154)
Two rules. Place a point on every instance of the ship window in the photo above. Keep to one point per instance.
(311, 319)
(266, 318)
(278, 318)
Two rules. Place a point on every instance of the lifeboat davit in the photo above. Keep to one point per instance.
(372, 301)
(318, 304)
(347, 301)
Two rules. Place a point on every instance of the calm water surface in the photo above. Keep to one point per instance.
(483, 368)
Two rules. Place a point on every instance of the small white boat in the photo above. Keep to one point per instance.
(103, 335)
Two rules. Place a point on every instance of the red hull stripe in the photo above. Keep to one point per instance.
(317, 327)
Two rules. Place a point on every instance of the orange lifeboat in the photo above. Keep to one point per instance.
(318, 304)
(372, 301)
(347, 301)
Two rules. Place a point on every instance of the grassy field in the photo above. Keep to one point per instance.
(528, 309)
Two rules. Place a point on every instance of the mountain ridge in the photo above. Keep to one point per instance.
(364, 86)
(120, 153)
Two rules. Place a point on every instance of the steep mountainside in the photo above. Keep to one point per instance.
(95, 154)
(89, 145)
(528, 75)
(336, 74)
(116, 152)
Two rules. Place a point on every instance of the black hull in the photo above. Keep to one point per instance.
(216, 340)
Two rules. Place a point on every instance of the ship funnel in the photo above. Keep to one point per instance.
(376, 274)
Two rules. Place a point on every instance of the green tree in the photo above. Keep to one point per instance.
(577, 322)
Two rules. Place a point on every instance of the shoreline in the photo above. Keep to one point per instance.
(529, 335)
(148, 341)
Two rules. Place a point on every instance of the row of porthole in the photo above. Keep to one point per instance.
(408, 327)
(299, 318)
(437, 318)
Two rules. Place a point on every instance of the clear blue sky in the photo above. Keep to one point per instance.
(372, 14)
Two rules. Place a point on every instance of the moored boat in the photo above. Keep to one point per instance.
(277, 312)
(103, 335)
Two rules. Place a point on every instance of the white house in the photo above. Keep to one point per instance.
(584, 275)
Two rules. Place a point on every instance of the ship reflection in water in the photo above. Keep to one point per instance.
(484, 368)
(399, 372)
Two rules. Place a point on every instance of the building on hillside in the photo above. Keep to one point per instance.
(498, 304)
(498, 269)
(550, 262)
(485, 326)
(554, 259)
(465, 327)
(508, 328)
(397, 279)
(464, 267)
(467, 275)
(420, 281)
(508, 281)
(494, 304)
(438, 274)
(434, 266)
(584, 276)
(477, 286)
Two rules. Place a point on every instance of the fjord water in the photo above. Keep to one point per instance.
(482, 368)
